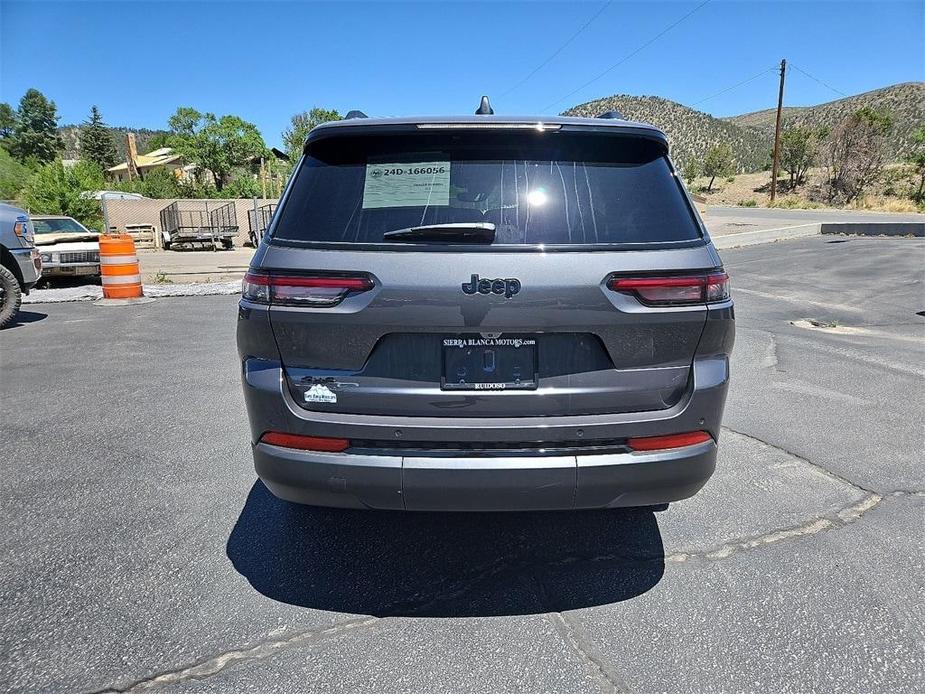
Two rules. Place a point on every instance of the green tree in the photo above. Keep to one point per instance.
(718, 162)
(96, 143)
(243, 186)
(217, 145)
(917, 158)
(7, 120)
(158, 141)
(691, 171)
(856, 151)
(56, 189)
(35, 129)
(160, 184)
(300, 125)
(13, 176)
(799, 148)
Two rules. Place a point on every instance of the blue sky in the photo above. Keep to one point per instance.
(265, 61)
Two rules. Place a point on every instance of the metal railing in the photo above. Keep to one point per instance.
(195, 220)
(258, 219)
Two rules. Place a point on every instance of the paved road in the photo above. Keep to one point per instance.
(139, 551)
(722, 221)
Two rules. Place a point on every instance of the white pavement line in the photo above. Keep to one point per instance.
(773, 229)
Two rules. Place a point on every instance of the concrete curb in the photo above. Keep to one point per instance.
(124, 302)
(95, 292)
(874, 228)
(752, 238)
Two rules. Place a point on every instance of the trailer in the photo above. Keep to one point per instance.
(197, 222)
(258, 220)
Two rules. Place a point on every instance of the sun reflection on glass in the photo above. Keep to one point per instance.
(537, 197)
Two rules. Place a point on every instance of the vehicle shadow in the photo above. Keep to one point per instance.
(24, 318)
(443, 564)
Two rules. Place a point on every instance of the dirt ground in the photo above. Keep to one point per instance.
(753, 190)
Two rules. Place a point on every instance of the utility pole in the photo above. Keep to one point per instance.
(780, 108)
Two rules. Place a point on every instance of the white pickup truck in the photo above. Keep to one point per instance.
(67, 247)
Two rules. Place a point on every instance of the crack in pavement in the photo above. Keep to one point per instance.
(214, 665)
(833, 475)
(838, 519)
(607, 678)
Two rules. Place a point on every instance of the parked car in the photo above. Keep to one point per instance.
(485, 313)
(67, 247)
(20, 264)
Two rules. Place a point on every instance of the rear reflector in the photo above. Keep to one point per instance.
(302, 290)
(305, 443)
(674, 291)
(658, 443)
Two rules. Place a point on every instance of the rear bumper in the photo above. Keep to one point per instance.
(478, 482)
(485, 483)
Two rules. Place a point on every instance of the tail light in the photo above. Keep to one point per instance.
(302, 290)
(659, 443)
(305, 443)
(670, 290)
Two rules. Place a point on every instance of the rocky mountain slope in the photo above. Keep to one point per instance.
(71, 133)
(751, 135)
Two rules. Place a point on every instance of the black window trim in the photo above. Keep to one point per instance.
(622, 131)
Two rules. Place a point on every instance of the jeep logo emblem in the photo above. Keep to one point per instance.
(506, 287)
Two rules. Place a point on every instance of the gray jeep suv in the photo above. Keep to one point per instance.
(485, 313)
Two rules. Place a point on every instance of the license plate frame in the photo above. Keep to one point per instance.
(490, 364)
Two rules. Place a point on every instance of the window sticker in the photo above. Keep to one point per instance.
(415, 184)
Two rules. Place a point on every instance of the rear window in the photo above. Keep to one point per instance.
(537, 188)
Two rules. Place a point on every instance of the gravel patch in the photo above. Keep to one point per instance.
(92, 292)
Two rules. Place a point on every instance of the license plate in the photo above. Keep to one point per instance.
(473, 362)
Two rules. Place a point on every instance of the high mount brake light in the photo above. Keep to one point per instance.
(660, 443)
(674, 290)
(301, 290)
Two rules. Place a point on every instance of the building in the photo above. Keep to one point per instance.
(163, 158)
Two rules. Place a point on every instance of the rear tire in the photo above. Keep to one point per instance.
(10, 296)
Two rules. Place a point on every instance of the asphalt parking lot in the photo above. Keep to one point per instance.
(139, 551)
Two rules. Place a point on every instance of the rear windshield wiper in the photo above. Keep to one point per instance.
(459, 232)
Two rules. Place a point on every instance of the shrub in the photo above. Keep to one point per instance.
(56, 189)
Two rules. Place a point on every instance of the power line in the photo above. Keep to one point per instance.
(560, 48)
(735, 86)
(816, 79)
(628, 56)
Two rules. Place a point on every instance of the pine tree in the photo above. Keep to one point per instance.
(35, 132)
(96, 143)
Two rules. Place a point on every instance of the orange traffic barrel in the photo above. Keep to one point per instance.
(119, 267)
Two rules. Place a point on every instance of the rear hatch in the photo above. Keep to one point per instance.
(455, 271)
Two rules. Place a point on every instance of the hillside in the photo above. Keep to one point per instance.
(691, 133)
(751, 135)
(70, 135)
(906, 103)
